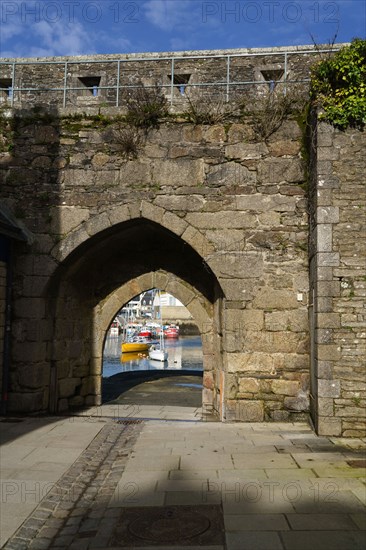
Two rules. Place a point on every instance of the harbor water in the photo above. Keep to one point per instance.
(184, 353)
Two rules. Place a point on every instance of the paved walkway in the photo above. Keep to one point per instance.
(178, 482)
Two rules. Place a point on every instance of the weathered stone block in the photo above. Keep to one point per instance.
(30, 352)
(181, 172)
(174, 223)
(119, 214)
(134, 173)
(266, 203)
(328, 153)
(181, 203)
(324, 236)
(237, 292)
(283, 148)
(327, 214)
(230, 173)
(328, 352)
(329, 388)
(100, 159)
(323, 336)
(33, 376)
(245, 151)
(240, 265)
(97, 224)
(208, 380)
(329, 426)
(214, 134)
(268, 298)
(251, 362)
(72, 176)
(325, 406)
(222, 220)
(294, 321)
(242, 321)
(285, 387)
(328, 288)
(298, 403)
(328, 320)
(152, 212)
(248, 385)
(66, 387)
(67, 218)
(25, 402)
(46, 134)
(277, 170)
(244, 411)
(328, 259)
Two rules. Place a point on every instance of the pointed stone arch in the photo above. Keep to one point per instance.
(200, 308)
(100, 271)
(127, 212)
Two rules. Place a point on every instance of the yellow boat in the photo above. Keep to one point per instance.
(132, 347)
(133, 356)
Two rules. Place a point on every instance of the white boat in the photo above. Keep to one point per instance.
(157, 352)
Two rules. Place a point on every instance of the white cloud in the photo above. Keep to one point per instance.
(168, 15)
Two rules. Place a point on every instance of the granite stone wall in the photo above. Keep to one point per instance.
(2, 316)
(212, 213)
(338, 280)
(236, 205)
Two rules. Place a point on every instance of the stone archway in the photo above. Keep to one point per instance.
(199, 307)
(117, 263)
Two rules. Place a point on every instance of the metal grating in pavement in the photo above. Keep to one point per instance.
(169, 526)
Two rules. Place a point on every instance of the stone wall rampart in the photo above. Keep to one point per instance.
(218, 213)
(237, 201)
(103, 80)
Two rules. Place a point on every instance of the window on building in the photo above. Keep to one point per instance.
(180, 80)
(91, 84)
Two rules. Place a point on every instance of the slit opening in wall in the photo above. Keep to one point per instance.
(91, 84)
(180, 80)
(6, 88)
(272, 77)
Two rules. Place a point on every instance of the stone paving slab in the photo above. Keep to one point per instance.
(269, 499)
(29, 469)
(323, 540)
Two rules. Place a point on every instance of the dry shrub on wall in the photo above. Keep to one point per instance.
(146, 106)
(207, 107)
(128, 140)
(271, 109)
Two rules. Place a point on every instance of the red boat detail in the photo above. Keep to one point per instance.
(171, 332)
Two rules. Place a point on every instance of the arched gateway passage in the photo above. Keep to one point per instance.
(106, 271)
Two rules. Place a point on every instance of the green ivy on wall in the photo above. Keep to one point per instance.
(338, 86)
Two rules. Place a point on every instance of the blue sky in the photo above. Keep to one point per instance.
(70, 27)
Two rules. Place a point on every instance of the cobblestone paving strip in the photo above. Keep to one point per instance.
(74, 513)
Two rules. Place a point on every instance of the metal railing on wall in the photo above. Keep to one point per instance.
(12, 92)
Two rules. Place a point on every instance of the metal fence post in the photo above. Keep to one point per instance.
(65, 84)
(227, 78)
(172, 84)
(13, 84)
(118, 80)
(285, 76)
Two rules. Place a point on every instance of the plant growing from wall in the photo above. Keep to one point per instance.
(146, 106)
(6, 132)
(128, 140)
(273, 108)
(209, 108)
(338, 86)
